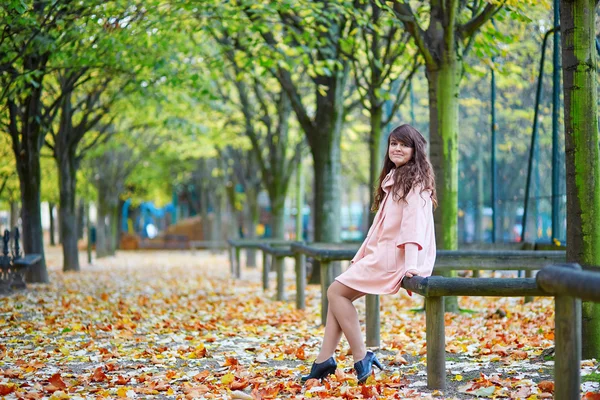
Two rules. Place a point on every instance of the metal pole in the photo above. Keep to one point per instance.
(534, 134)
(412, 103)
(494, 165)
(299, 200)
(555, 112)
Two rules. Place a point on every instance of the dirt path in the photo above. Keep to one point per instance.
(175, 325)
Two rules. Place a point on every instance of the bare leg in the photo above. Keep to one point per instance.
(340, 305)
(331, 338)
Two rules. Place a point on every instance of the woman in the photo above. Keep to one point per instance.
(400, 242)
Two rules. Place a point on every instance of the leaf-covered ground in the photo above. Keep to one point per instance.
(174, 325)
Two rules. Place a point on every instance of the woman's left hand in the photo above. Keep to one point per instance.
(412, 272)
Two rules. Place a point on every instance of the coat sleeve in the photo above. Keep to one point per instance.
(414, 219)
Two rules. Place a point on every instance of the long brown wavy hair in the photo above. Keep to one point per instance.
(417, 171)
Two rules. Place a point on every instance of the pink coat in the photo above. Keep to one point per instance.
(378, 267)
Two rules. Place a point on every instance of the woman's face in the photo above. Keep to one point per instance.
(399, 152)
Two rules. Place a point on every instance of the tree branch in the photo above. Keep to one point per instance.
(472, 26)
(404, 13)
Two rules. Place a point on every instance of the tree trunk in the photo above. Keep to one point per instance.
(80, 219)
(114, 229)
(58, 224)
(14, 215)
(102, 227)
(443, 82)
(376, 158)
(67, 177)
(51, 208)
(28, 166)
(581, 150)
(252, 214)
(326, 160)
(277, 217)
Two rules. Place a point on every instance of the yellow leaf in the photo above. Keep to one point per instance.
(458, 377)
(227, 378)
(122, 391)
(59, 395)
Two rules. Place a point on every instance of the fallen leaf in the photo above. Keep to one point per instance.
(57, 381)
(7, 389)
(99, 375)
(399, 360)
(236, 394)
(546, 386)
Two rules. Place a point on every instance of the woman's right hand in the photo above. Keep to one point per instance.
(412, 272)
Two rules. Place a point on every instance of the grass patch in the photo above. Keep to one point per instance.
(593, 377)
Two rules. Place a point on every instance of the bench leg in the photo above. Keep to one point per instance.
(280, 265)
(265, 270)
(326, 280)
(567, 350)
(436, 343)
(300, 281)
(528, 299)
(373, 322)
(232, 261)
(238, 264)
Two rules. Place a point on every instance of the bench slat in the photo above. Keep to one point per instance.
(28, 260)
(558, 280)
(435, 286)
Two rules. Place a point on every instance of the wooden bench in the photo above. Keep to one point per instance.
(208, 244)
(235, 246)
(14, 266)
(567, 283)
(446, 260)
(278, 253)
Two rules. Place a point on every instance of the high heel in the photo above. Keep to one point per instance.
(321, 370)
(364, 367)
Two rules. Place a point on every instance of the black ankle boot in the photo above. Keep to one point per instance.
(364, 367)
(321, 370)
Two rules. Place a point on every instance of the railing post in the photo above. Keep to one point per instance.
(265, 270)
(373, 323)
(232, 260)
(300, 281)
(280, 266)
(528, 274)
(238, 264)
(326, 280)
(436, 343)
(567, 358)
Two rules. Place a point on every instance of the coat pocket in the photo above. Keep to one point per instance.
(391, 252)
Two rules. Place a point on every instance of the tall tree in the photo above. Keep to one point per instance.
(443, 44)
(78, 116)
(582, 141)
(324, 28)
(382, 82)
(34, 30)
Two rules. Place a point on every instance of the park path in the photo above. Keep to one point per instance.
(173, 324)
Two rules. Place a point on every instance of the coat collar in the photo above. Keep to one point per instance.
(388, 181)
